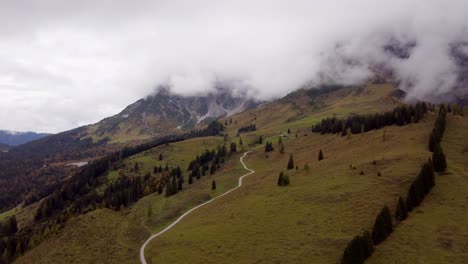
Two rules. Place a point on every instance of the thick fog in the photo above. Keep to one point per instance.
(70, 63)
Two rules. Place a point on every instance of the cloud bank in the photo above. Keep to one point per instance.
(70, 63)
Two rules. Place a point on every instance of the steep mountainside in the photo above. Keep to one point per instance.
(167, 113)
(13, 138)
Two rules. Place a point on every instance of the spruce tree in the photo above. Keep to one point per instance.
(438, 158)
(283, 179)
(401, 212)
(383, 226)
(233, 147)
(190, 179)
(291, 162)
(320, 155)
(260, 140)
(213, 185)
(160, 157)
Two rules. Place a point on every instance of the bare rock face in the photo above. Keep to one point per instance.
(165, 113)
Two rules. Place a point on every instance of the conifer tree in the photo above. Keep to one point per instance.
(438, 158)
(291, 162)
(233, 147)
(213, 185)
(260, 140)
(320, 155)
(268, 147)
(383, 226)
(401, 212)
(282, 149)
(289, 131)
(240, 141)
(160, 156)
(283, 179)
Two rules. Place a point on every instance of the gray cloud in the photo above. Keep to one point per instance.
(70, 63)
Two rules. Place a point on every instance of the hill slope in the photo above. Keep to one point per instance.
(13, 138)
(313, 211)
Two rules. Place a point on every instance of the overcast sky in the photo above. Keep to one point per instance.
(65, 64)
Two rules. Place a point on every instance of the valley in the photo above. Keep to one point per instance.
(326, 203)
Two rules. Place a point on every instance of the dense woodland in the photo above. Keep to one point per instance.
(78, 194)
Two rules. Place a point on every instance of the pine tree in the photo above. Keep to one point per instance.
(260, 140)
(289, 131)
(358, 249)
(320, 155)
(233, 147)
(160, 157)
(438, 158)
(268, 147)
(291, 162)
(282, 149)
(213, 185)
(283, 179)
(190, 179)
(401, 212)
(383, 226)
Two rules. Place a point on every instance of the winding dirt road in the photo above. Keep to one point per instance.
(142, 249)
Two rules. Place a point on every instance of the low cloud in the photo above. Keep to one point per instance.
(65, 64)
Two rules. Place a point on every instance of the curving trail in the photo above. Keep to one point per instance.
(142, 249)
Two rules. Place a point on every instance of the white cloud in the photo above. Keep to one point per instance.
(69, 63)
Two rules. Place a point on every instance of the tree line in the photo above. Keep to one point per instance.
(362, 246)
(356, 124)
(248, 128)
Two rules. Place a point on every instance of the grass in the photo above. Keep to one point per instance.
(437, 232)
(310, 221)
(101, 236)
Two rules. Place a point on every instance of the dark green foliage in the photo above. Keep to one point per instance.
(283, 179)
(420, 186)
(289, 131)
(358, 249)
(161, 157)
(268, 147)
(383, 226)
(401, 212)
(190, 179)
(320, 155)
(8, 227)
(438, 157)
(213, 185)
(213, 169)
(291, 162)
(260, 140)
(438, 130)
(248, 128)
(363, 123)
(233, 147)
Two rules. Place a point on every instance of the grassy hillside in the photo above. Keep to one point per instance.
(101, 236)
(90, 238)
(437, 232)
(310, 221)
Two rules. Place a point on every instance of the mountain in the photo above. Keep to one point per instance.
(167, 113)
(4, 147)
(14, 138)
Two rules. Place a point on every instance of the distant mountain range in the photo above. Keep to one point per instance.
(13, 138)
